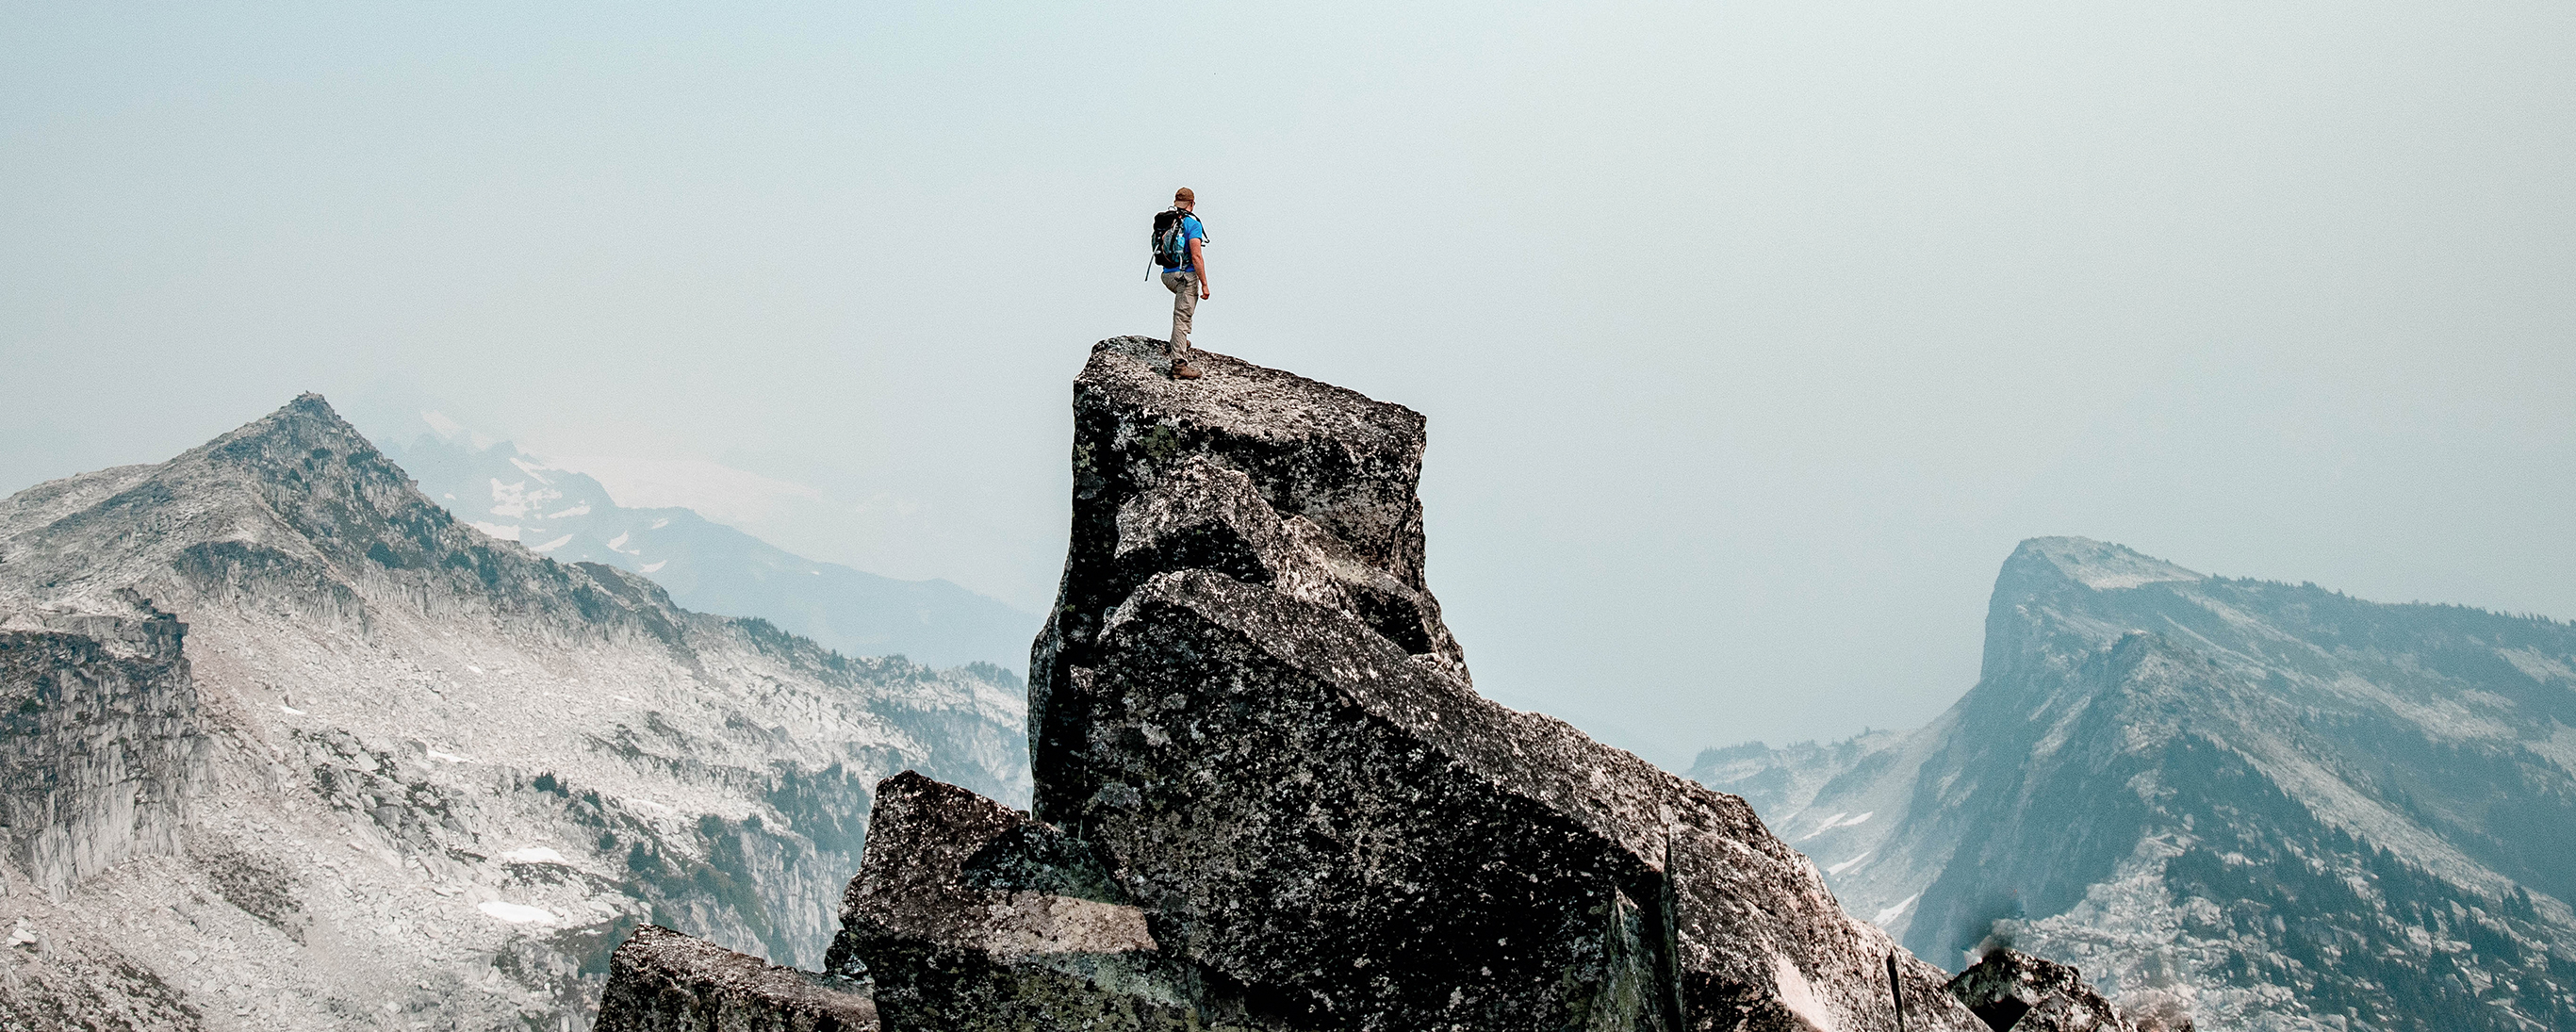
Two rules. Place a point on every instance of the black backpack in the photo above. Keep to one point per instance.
(1171, 247)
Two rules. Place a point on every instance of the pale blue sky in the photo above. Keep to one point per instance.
(1752, 335)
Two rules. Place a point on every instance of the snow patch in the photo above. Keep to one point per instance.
(505, 533)
(531, 469)
(582, 509)
(618, 543)
(290, 710)
(2102, 566)
(652, 566)
(516, 913)
(533, 855)
(518, 501)
(448, 757)
(1894, 912)
(660, 523)
(2537, 665)
(1847, 864)
(551, 545)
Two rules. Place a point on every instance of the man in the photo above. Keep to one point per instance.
(1187, 282)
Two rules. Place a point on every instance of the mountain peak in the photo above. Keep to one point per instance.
(308, 415)
(2098, 565)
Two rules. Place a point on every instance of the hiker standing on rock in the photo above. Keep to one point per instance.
(1180, 247)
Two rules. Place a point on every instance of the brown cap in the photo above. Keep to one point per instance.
(1184, 194)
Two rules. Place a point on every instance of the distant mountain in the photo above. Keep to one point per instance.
(2292, 808)
(1784, 779)
(285, 745)
(707, 567)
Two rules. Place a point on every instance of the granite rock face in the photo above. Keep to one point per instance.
(1246, 707)
(100, 743)
(663, 981)
(1267, 796)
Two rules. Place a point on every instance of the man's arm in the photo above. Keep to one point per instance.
(1198, 260)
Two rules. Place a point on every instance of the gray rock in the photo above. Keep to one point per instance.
(1245, 695)
(47, 986)
(663, 981)
(972, 916)
(100, 743)
(1268, 797)
(2014, 990)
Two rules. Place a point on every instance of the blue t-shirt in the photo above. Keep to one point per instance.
(1190, 230)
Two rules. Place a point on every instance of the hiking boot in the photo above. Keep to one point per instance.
(1183, 370)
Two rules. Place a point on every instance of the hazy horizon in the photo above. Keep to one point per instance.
(1752, 338)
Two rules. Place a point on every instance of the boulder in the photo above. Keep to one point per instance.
(2014, 990)
(663, 981)
(970, 916)
(1246, 699)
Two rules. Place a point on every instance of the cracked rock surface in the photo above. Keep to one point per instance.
(1246, 702)
(1268, 797)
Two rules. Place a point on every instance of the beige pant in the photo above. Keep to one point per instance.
(1185, 303)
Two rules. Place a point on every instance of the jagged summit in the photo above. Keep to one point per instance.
(1269, 800)
(1260, 475)
(1268, 797)
(299, 494)
(306, 411)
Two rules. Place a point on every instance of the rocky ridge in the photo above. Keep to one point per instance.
(2277, 805)
(287, 746)
(1267, 796)
(706, 566)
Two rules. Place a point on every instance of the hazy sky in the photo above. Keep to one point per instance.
(1752, 335)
